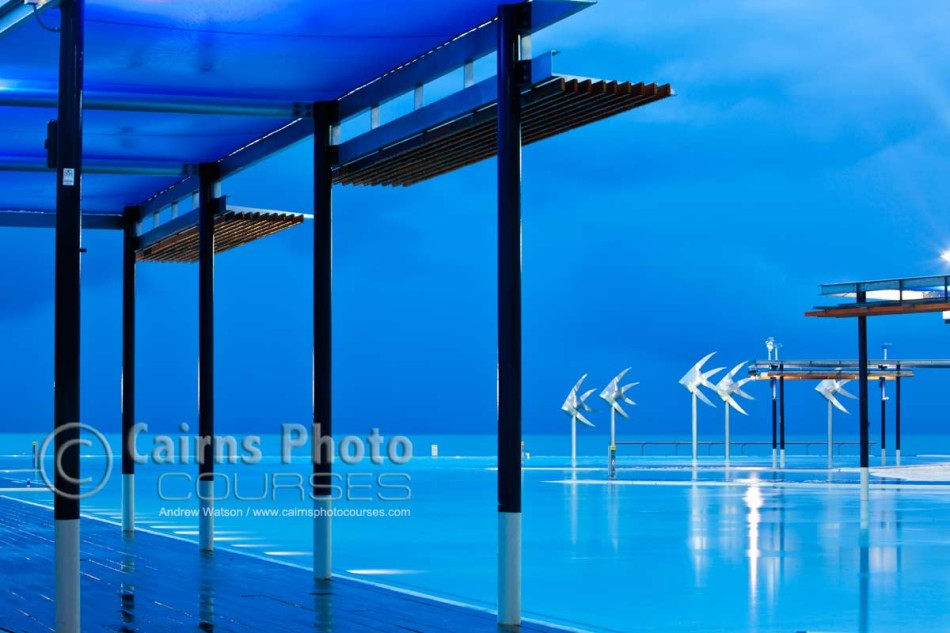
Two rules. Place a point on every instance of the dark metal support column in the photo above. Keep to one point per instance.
(897, 417)
(324, 117)
(207, 207)
(883, 421)
(66, 354)
(781, 397)
(128, 367)
(863, 396)
(513, 21)
(774, 422)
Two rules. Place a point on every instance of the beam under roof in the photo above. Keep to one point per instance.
(474, 44)
(14, 13)
(37, 164)
(47, 219)
(163, 103)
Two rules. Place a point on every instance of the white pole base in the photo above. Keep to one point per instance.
(774, 459)
(322, 539)
(897, 457)
(883, 457)
(128, 503)
(206, 515)
(66, 535)
(727, 444)
(781, 458)
(865, 484)
(509, 568)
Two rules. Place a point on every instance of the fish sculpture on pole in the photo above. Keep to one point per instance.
(614, 394)
(829, 388)
(726, 388)
(574, 406)
(692, 381)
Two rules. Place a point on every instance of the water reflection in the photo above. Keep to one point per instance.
(126, 587)
(753, 501)
(698, 533)
(765, 548)
(206, 592)
(613, 517)
(572, 510)
(864, 572)
(880, 553)
(323, 605)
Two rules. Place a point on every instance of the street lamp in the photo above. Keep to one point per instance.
(884, 348)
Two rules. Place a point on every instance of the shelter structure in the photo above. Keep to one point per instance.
(907, 295)
(817, 370)
(128, 116)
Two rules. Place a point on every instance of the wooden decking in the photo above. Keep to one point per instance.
(155, 583)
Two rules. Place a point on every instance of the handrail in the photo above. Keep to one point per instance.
(838, 444)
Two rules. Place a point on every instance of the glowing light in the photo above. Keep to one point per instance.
(945, 256)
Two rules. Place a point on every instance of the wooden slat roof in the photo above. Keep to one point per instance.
(550, 108)
(232, 228)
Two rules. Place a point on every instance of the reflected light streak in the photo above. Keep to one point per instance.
(573, 506)
(753, 501)
(613, 518)
(698, 538)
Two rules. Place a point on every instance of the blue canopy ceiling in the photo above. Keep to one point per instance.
(156, 54)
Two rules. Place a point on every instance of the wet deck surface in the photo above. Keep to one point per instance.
(155, 583)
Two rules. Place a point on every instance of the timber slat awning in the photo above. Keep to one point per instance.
(551, 108)
(232, 228)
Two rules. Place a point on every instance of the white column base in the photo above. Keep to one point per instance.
(897, 457)
(322, 539)
(509, 568)
(66, 535)
(883, 457)
(865, 484)
(774, 459)
(781, 458)
(206, 515)
(128, 503)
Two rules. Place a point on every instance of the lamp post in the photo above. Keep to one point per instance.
(770, 346)
(884, 348)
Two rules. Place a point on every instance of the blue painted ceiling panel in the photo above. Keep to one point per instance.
(249, 50)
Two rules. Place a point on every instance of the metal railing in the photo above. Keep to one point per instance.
(708, 445)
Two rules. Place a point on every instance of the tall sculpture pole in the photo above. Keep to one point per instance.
(829, 389)
(614, 394)
(574, 406)
(726, 388)
(692, 381)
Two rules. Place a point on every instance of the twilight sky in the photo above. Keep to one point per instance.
(809, 142)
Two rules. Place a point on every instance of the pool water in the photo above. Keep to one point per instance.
(662, 548)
